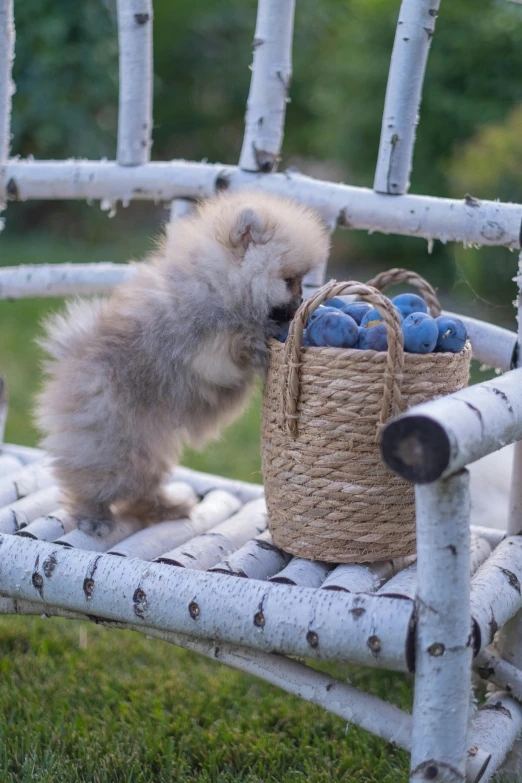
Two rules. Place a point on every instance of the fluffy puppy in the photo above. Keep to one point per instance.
(171, 356)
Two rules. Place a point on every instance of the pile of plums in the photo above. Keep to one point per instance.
(340, 324)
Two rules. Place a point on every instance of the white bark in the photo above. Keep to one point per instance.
(303, 573)
(50, 527)
(9, 464)
(269, 86)
(510, 636)
(404, 584)
(180, 208)
(489, 534)
(494, 729)
(204, 551)
(491, 345)
(272, 617)
(438, 438)
(443, 646)
(495, 592)
(7, 88)
(257, 559)
(202, 483)
(480, 223)
(20, 513)
(491, 667)
(136, 74)
(415, 29)
(123, 529)
(32, 478)
(26, 454)
(152, 542)
(355, 578)
(17, 282)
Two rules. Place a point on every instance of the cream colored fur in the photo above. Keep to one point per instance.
(171, 356)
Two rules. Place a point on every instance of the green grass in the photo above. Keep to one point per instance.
(79, 703)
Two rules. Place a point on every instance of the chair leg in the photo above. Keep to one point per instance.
(443, 635)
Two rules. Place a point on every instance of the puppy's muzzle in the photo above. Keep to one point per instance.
(286, 312)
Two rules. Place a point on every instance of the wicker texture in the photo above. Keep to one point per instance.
(329, 495)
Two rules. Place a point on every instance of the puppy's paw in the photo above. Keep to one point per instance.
(102, 528)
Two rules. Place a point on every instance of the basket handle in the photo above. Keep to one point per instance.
(391, 402)
(393, 276)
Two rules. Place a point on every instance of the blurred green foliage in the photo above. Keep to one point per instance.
(66, 72)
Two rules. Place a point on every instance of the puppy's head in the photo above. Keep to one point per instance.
(268, 244)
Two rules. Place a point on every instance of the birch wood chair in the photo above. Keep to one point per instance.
(232, 595)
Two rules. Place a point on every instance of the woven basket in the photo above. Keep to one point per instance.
(329, 495)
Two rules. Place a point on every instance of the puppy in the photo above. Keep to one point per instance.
(171, 356)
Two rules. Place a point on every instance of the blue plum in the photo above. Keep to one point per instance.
(356, 310)
(410, 303)
(372, 315)
(320, 311)
(420, 332)
(452, 334)
(373, 338)
(283, 333)
(335, 330)
(336, 302)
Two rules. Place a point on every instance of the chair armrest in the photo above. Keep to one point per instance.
(438, 438)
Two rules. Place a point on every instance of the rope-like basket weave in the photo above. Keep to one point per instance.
(329, 495)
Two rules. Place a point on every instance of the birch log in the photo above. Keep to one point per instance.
(49, 527)
(23, 511)
(257, 559)
(135, 105)
(153, 542)
(493, 732)
(450, 220)
(353, 705)
(17, 282)
(9, 465)
(354, 578)
(32, 478)
(443, 646)
(415, 29)
(510, 636)
(204, 551)
(26, 454)
(491, 345)
(302, 573)
(491, 667)
(123, 529)
(202, 483)
(7, 88)
(269, 86)
(404, 584)
(495, 592)
(437, 438)
(293, 621)
(489, 534)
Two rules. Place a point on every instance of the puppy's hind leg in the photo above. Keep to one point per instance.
(163, 504)
(95, 519)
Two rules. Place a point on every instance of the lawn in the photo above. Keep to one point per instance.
(81, 703)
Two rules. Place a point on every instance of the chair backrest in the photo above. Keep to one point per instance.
(132, 176)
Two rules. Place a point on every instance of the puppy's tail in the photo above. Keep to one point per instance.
(66, 332)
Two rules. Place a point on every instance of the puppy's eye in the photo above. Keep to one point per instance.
(289, 281)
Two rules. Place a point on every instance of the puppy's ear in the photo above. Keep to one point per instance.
(248, 229)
